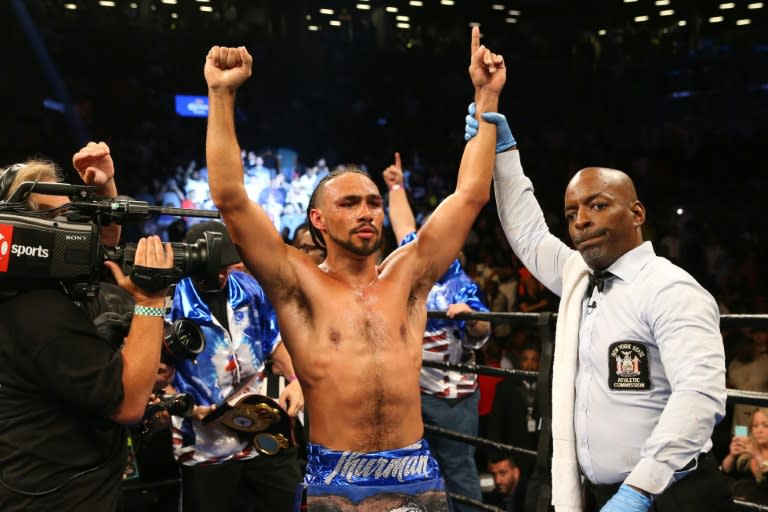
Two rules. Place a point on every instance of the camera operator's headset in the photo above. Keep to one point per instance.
(6, 179)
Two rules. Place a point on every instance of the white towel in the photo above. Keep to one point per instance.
(566, 484)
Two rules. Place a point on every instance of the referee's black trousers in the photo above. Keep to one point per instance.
(706, 489)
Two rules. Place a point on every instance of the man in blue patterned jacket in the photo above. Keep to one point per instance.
(222, 468)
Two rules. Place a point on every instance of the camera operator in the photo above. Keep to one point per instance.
(65, 391)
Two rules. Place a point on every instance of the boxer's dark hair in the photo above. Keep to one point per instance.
(317, 236)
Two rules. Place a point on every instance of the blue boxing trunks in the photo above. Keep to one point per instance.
(405, 479)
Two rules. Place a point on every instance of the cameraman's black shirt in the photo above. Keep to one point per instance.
(59, 383)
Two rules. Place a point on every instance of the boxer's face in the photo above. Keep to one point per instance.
(351, 213)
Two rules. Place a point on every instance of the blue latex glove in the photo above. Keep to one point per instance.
(627, 499)
(504, 138)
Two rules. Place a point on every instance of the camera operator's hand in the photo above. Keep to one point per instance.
(95, 167)
(94, 164)
(142, 346)
(149, 253)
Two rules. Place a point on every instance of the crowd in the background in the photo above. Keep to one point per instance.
(696, 160)
(726, 260)
(698, 152)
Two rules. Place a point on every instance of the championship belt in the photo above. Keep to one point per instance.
(256, 417)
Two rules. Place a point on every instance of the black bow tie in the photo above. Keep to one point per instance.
(598, 280)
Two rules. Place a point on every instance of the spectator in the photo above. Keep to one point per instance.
(509, 484)
(221, 468)
(450, 399)
(515, 414)
(747, 460)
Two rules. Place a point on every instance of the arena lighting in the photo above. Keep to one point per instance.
(513, 12)
(106, 3)
(497, 7)
(326, 11)
(629, 1)
(446, 2)
(334, 23)
(667, 12)
(203, 1)
(206, 8)
(175, 15)
(133, 5)
(54, 105)
(363, 7)
(403, 25)
(727, 6)
(682, 23)
(313, 28)
(659, 3)
(169, 2)
(510, 20)
(756, 5)
(416, 3)
(602, 32)
(716, 19)
(745, 21)
(390, 9)
(71, 7)
(403, 18)
(639, 19)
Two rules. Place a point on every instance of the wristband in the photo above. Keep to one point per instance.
(396, 186)
(148, 311)
(292, 378)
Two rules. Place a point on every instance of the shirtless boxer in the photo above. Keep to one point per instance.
(354, 329)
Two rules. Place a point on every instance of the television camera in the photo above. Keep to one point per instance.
(64, 244)
(179, 404)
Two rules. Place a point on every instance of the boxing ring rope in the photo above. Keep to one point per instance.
(748, 505)
(476, 504)
(478, 441)
(546, 325)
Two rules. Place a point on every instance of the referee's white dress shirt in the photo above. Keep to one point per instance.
(648, 364)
